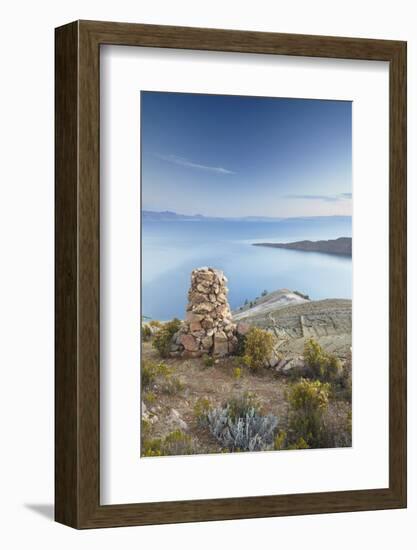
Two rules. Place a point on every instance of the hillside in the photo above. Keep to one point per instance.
(293, 319)
(342, 246)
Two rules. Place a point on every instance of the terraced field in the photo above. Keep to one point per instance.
(294, 320)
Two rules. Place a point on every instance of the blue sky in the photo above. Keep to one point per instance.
(245, 156)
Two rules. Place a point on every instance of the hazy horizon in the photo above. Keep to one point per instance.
(237, 156)
(198, 214)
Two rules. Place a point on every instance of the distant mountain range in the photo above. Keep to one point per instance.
(168, 216)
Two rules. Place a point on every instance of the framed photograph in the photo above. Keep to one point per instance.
(230, 274)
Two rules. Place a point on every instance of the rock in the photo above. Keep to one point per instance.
(221, 346)
(189, 342)
(232, 346)
(221, 349)
(192, 317)
(203, 307)
(281, 364)
(195, 327)
(273, 360)
(220, 336)
(197, 298)
(207, 342)
(175, 419)
(208, 324)
(203, 288)
(294, 365)
(221, 298)
(243, 328)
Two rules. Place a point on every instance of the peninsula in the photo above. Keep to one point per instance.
(341, 246)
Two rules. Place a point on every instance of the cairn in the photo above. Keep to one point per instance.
(208, 327)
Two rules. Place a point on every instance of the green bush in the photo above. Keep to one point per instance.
(146, 333)
(240, 347)
(309, 401)
(324, 366)
(172, 386)
(208, 361)
(174, 444)
(201, 409)
(280, 440)
(337, 426)
(259, 344)
(149, 397)
(163, 338)
(237, 373)
(241, 405)
(345, 382)
(299, 444)
(150, 371)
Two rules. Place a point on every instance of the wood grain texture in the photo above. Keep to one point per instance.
(78, 284)
(66, 237)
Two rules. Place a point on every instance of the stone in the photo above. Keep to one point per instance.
(208, 325)
(232, 346)
(203, 307)
(197, 298)
(192, 317)
(294, 365)
(221, 347)
(207, 342)
(243, 328)
(189, 342)
(206, 276)
(203, 288)
(175, 418)
(220, 335)
(273, 360)
(195, 327)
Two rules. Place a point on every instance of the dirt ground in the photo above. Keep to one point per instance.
(218, 384)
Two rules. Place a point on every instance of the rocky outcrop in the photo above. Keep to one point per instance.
(208, 327)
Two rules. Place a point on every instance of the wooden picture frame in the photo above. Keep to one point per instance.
(77, 374)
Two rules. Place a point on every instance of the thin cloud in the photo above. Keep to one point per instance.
(325, 198)
(174, 159)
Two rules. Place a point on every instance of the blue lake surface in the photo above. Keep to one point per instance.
(171, 250)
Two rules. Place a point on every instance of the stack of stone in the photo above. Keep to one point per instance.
(208, 326)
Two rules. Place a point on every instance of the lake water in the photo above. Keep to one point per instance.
(171, 250)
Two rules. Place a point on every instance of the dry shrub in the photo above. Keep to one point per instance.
(163, 339)
(259, 345)
(324, 366)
